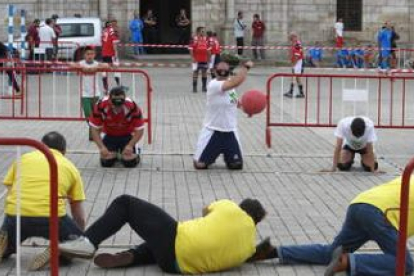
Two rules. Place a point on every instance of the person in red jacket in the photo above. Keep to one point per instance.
(258, 28)
(109, 52)
(32, 37)
(296, 58)
(214, 44)
(120, 120)
(200, 52)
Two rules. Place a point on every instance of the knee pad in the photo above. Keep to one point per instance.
(344, 167)
(367, 168)
(235, 166)
(107, 163)
(131, 163)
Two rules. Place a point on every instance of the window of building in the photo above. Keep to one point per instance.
(351, 13)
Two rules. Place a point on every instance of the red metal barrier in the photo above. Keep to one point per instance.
(404, 205)
(330, 97)
(54, 225)
(52, 97)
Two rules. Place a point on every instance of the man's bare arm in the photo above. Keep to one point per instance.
(78, 214)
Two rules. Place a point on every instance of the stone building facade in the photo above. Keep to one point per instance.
(312, 19)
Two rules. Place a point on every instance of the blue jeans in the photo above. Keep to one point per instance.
(363, 223)
(37, 227)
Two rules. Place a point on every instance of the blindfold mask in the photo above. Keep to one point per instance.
(118, 102)
(223, 73)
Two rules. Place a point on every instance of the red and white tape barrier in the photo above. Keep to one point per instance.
(268, 47)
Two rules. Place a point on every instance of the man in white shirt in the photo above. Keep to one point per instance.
(355, 135)
(239, 28)
(47, 36)
(219, 134)
(339, 33)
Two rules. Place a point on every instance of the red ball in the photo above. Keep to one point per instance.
(253, 102)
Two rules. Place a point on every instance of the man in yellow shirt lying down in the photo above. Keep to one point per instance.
(222, 239)
(374, 215)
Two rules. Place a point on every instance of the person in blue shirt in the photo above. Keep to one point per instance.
(315, 55)
(136, 26)
(343, 58)
(384, 43)
(357, 56)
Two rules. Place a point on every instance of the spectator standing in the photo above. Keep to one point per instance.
(296, 59)
(239, 28)
(200, 52)
(384, 44)
(150, 29)
(47, 37)
(32, 37)
(4, 54)
(90, 86)
(114, 24)
(34, 181)
(258, 28)
(109, 53)
(394, 37)
(339, 33)
(214, 45)
(183, 25)
(58, 32)
(136, 26)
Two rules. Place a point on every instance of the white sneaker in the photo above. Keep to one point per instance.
(79, 248)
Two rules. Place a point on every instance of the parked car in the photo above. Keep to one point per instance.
(77, 33)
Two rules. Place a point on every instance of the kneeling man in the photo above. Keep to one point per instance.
(120, 119)
(355, 135)
(219, 134)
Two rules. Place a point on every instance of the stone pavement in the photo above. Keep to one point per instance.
(303, 205)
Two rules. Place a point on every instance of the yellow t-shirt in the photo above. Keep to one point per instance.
(386, 197)
(35, 185)
(222, 239)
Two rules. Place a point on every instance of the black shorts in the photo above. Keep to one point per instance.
(360, 151)
(225, 143)
(117, 143)
(202, 66)
(108, 60)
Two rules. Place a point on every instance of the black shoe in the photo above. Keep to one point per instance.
(288, 94)
(204, 89)
(263, 251)
(301, 95)
(121, 259)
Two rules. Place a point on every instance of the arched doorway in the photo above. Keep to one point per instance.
(166, 31)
